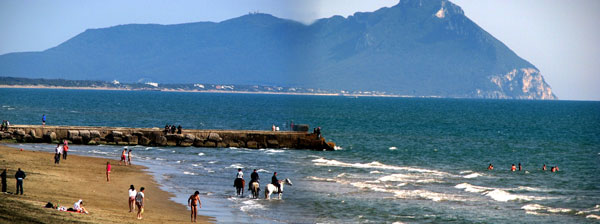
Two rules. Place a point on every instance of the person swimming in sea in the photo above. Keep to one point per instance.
(519, 166)
(513, 167)
(490, 167)
(544, 167)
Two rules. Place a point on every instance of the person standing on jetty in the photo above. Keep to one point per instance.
(20, 176)
(3, 176)
(139, 201)
(43, 120)
(194, 202)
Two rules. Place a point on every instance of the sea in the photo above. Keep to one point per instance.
(397, 160)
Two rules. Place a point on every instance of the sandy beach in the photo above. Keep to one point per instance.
(84, 178)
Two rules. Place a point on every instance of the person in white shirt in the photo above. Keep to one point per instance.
(132, 194)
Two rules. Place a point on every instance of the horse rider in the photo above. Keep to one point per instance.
(239, 176)
(253, 178)
(275, 182)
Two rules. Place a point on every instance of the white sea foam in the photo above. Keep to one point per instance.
(178, 161)
(537, 207)
(188, 173)
(197, 164)
(212, 162)
(201, 154)
(262, 171)
(160, 159)
(320, 179)
(409, 194)
(99, 152)
(472, 175)
(236, 166)
(373, 165)
(272, 151)
(250, 204)
(466, 171)
(407, 179)
(337, 147)
(375, 171)
(393, 148)
(498, 194)
(592, 216)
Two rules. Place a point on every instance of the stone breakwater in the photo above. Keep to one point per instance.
(157, 137)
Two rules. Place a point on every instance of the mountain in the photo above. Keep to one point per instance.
(417, 47)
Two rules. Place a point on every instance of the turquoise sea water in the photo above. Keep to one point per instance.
(401, 159)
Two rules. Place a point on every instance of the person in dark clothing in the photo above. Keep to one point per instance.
(179, 129)
(253, 178)
(20, 176)
(167, 128)
(3, 176)
(173, 129)
(275, 182)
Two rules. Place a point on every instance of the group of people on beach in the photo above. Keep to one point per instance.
(514, 168)
(171, 129)
(61, 150)
(19, 176)
(137, 198)
(125, 157)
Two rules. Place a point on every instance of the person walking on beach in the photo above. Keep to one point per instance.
(65, 149)
(123, 156)
(194, 202)
(139, 202)
(57, 152)
(129, 157)
(108, 171)
(20, 176)
(43, 120)
(3, 176)
(132, 194)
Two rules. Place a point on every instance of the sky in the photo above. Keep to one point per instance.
(561, 38)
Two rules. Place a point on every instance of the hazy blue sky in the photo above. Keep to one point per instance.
(560, 37)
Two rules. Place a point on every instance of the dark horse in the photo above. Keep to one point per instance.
(239, 186)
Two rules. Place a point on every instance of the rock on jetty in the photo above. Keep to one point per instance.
(157, 137)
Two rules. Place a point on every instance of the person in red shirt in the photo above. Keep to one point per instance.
(108, 171)
(65, 149)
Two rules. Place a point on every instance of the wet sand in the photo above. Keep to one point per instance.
(81, 177)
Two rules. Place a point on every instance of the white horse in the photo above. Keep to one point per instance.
(272, 189)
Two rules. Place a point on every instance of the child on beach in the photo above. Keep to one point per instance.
(108, 171)
(129, 157)
(132, 194)
(139, 201)
(194, 202)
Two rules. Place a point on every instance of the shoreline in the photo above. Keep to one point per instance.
(83, 177)
(211, 91)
